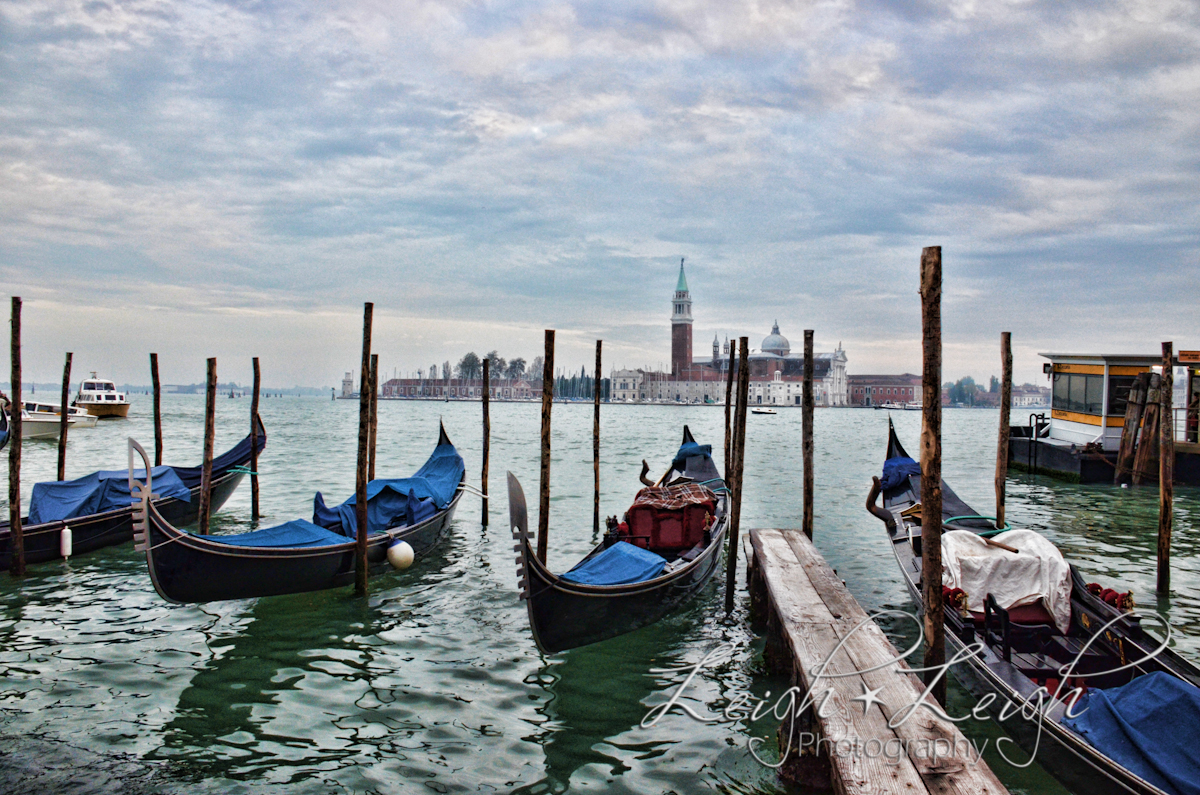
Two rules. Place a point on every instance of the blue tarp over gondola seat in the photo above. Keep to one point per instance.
(296, 533)
(620, 564)
(98, 492)
(1142, 725)
(401, 501)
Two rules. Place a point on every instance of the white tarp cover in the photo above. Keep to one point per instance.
(1038, 571)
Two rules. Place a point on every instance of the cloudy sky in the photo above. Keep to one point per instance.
(235, 179)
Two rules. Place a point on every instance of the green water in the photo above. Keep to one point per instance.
(433, 683)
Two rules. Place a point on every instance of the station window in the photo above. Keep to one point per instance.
(1079, 392)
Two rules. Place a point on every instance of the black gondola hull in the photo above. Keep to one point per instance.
(97, 531)
(564, 616)
(1063, 753)
(187, 568)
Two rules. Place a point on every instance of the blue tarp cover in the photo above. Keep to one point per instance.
(96, 493)
(296, 533)
(1146, 725)
(619, 564)
(403, 501)
(689, 449)
(896, 472)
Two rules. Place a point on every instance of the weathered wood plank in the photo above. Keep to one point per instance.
(813, 612)
(792, 592)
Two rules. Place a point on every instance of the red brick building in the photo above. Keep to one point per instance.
(875, 390)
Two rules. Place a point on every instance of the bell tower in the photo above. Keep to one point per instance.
(681, 326)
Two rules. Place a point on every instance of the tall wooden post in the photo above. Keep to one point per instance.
(254, 514)
(738, 464)
(16, 555)
(1005, 419)
(364, 431)
(596, 445)
(931, 468)
(728, 401)
(547, 403)
(487, 435)
(373, 431)
(807, 432)
(158, 437)
(64, 416)
(1166, 469)
(210, 408)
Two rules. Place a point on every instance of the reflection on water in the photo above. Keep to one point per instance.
(433, 682)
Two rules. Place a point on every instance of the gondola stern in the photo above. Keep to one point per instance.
(443, 437)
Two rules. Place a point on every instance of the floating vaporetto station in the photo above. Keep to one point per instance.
(1104, 421)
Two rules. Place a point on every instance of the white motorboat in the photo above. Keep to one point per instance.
(763, 411)
(100, 398)
(40, 414)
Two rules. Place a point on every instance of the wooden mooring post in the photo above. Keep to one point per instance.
(158, 437)
(487, 437)
(1005, 420)
(373, 428)
(210, 407)
(819, 636)
(931, 469)
(16, 553)
(254, 513)
(728, 407)
(1135, 405)
(1166, 469)
(737, 464)
(364, 432)
(596, 446)
(64, 416)
(1145, 458)
(544, 486)
(806, 433)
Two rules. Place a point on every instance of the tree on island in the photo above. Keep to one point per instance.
(963, 391)
(470, 366)
(496, 365)
(994, 385)
(535, 368)
(516, 368)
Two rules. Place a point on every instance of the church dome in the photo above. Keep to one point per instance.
(775, 342)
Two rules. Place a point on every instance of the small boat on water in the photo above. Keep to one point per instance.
(763, 411)
(43, 420)
(101, 398)
(1112, 699)
(302, 556)
(94, 511)
(663, 553)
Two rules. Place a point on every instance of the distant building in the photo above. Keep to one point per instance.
(875, 390)
(1028, 396)
(776, 373)
(348, 385)
(457, 388)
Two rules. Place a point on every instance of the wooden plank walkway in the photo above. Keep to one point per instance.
(853, 745)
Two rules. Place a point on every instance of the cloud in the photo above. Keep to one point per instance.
(538, 164)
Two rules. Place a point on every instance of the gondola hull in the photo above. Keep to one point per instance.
(1064, 754)
(89, 533)
(187, 568)
(564, 615)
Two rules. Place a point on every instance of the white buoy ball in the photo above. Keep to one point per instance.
(400, 555)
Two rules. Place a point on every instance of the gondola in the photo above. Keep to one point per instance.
(4, 432)
(646, 566)
(54, 505)
(1102, 729)
(302, 556)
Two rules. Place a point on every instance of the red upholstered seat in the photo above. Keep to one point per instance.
(1035, 613)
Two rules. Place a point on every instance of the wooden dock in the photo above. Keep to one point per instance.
(851, 743)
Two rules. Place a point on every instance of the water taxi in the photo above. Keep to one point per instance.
(1082, 437)
(100, 398)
